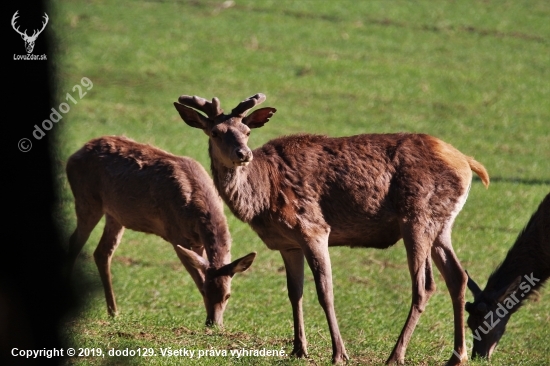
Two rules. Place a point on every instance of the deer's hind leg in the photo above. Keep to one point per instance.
(88, 215)
(456, 280)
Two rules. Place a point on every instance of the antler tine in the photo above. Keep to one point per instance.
(215, 107)
(212, 109)
(247, 104)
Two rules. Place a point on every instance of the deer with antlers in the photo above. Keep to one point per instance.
(29, 40)
(147, 189)
(304, 193)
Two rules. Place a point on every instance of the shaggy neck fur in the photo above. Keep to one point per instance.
(243, 188)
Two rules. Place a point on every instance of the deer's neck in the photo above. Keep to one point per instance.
(244, 189)
(217, 240)
(209, 222)
(526, 259)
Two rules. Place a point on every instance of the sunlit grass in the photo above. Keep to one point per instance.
(472, 73)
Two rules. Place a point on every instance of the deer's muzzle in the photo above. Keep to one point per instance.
(242, 156)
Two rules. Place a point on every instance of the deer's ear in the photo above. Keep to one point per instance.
(242, 264)
(473, 286)
(259, 117)
(191, 117)
(507, 291)
(192, 259)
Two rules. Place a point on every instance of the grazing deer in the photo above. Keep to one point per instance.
(304, 193)
(525, 268)
(149, 190)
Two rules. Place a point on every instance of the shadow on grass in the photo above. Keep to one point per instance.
(530, 182)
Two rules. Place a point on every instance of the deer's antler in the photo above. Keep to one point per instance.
(212, 109)
(242, 109)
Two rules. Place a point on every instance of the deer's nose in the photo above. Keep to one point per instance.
(243, 154)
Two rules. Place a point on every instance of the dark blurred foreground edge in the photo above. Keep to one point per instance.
(34, 299)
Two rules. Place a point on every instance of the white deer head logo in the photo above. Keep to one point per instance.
(29, 41)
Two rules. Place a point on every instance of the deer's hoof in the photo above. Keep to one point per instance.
(455, 360)
(299, 352)
(394, 361)
(340, 358)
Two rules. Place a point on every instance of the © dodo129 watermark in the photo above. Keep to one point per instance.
(25, 144)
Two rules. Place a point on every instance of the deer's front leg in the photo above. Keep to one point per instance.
(316, 253)
(294, 266)
(112, 233)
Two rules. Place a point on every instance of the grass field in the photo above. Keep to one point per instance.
(473, 73)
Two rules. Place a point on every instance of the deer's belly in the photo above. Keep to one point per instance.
(370, 234)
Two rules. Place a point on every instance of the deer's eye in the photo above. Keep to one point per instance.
(214, 134)
(248, 133)
(227, 297)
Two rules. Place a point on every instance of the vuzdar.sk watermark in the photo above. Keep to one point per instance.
(25, 144)
(503, 308)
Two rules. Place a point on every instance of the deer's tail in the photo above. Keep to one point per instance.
(479, 169)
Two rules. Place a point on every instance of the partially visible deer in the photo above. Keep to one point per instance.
(525, 268)
(304, 193)
(149, 190)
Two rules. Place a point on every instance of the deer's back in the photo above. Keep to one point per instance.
(362, 186)
(144, 188)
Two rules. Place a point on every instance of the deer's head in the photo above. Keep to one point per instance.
(488, 316)
(216, 282)
(228, 133)
(29, 40)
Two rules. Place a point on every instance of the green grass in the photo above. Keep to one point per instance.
(472, 73)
